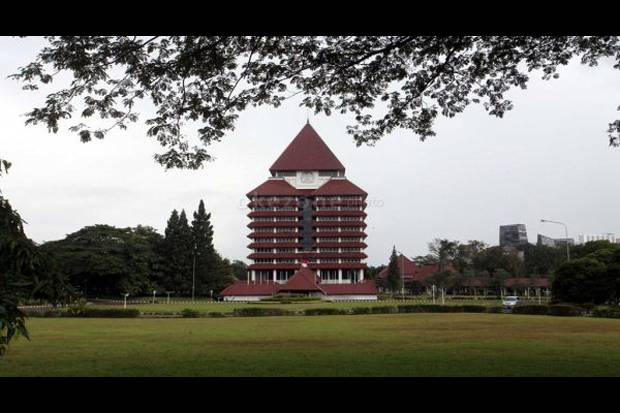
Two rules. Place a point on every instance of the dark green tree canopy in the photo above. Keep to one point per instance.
(208, 81)
(393, 278)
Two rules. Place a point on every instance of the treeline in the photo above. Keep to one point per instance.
(458, 262)
(103, 260)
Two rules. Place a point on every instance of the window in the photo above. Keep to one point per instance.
(351, 250)
(286, 229)
(285, 250)
(263, 250)
(328, 173)
(285, 173)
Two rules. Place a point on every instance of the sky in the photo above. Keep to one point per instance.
(547, 158)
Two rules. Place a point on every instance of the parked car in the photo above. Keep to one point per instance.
(510, 301)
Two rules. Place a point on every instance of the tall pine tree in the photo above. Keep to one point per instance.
(178, 254)
(393, 275)
(205, 256)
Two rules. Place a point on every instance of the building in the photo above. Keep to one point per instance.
(410, 270)
(306, 212)
(512, 236)
(554, 242)
(609, 236)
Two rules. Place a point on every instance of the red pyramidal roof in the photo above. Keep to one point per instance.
(339, 186)
(307, 152)
(304, 279)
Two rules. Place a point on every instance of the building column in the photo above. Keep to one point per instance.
(340, 276)
(361, 276)
(253, 275)
(275, 274)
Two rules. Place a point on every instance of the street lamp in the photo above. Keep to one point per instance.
(194, 273)
(154, 292)
(125, 301)
(565, 231)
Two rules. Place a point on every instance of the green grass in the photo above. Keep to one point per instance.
(356, 345)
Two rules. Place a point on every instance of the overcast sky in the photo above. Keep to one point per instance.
(547, 158)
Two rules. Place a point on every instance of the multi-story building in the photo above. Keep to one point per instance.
(512, 236)
(554, 242)
(308, 213)
(609, 236)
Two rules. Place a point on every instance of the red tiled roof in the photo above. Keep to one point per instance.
(366, 287)
(304, 279)
(307, 151)
(274, 187)
(411, 270)
(243, 288)
(339, 186)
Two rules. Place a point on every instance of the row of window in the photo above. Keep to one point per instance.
(294, 250)
(337, 229)
(312, 260)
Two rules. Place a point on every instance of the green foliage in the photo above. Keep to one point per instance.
(216, 314)
(565, 310)
(239, 270)
(607, 312)
(106, 313)
(468, 308)
(360, 310)
(495, 309)
(394, 278)
(104, 260)
(189, 313)
(384, 309)
(582, 280)
(259, 311)
(534, 309)
(77, 308)
(199, 78)
(324, 311)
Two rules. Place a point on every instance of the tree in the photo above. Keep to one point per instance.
(465, 254)
(17, 255)
(541, 259)
(108, 261)
(582, 281)
(178, 253)
(209, 81)
(444, 252)
(393, 278)
(239, 269)
(204, 252)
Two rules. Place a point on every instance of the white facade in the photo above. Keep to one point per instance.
(609, 236)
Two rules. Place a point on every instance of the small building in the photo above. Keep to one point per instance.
(303, 282)
(512, 236)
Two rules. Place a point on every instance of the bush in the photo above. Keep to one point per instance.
(607, 312)
(384, 309)
(216, 314)
(565, 310)
(411, 308)
(259, 312)
(535, 309)
(495, 309)
(360, 310)
(77, 308)
(472, 308)
(324, 311)
(189, 313)
(105, 313)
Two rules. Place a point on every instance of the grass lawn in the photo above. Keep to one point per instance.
(355, 345)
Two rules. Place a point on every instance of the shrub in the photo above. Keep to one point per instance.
(384, 309)
(106, 313)
(411, 308)
(535, 309)
(216, 314)
(259, 312)
(607, 312)
(77, 308)
(565, 310)
(324, 311)
(495, 309)
(472, 308)
(360, 310)
(51, 313)
(189, 313)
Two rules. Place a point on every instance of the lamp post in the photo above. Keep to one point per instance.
(154, 292)
(566, 234)
(194, 273)
(125, 300)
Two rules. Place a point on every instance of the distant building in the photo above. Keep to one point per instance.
(512, 236)
(554, 242)
(609, 236)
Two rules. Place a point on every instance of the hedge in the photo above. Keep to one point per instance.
(324, 311)
(216, 314)
(495, 309)
(535, 309)
(384, 309)
(565, 310)
(189, 313)
(472, 308)
(257, 312)
(360, 310)
(607, 312)
(106, 313)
